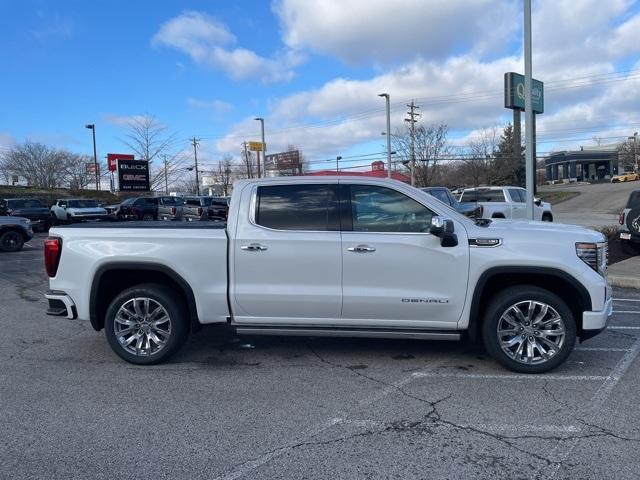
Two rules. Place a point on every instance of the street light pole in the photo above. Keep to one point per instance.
(528, 110)
(92, 127)
(338, 158)
(264, 146)
(388, 105)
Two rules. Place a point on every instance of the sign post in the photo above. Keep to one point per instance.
(257, 147)
(515, 99)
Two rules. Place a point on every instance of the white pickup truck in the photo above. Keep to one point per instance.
(505, 202)
(335, 256)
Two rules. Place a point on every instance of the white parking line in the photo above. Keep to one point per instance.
(597, 401)
(515, 376)
(616, 327)
(626, 299)
(602, 349)
(627, 311)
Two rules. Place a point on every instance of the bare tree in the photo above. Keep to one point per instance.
(75, 167)
(431, 147)
(247, 169)
(627, 153)
(477, 168)
(39, 164)
(148, 138)
(224, 173)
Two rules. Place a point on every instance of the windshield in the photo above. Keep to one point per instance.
(129, 201)
(82, 204)
(24, 203)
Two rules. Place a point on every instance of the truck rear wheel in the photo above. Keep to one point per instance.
(145, 325)
(528, 329)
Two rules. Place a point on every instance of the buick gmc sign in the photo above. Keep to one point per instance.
(133, 175)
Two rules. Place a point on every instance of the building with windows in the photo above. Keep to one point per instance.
(589, 164)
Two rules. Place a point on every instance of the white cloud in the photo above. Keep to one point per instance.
(364, 31)
(216, 106)
(208, 42)
(121, 120)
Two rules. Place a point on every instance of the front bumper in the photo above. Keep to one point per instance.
(79, 218)
(595, 322)
(60, 304)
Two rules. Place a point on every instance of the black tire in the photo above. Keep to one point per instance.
(521, 295)
(53, 220)
(547, 217)
(147, 217)
(11, 241)
(178, 326)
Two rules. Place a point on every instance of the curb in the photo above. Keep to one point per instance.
(625, 281)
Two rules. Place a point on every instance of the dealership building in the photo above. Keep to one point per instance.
(594, 163)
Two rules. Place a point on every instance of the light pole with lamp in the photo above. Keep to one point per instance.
(388, 105)
(92, 127)
(338, 158)
(264, 146)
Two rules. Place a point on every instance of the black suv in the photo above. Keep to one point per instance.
(30, 208)
(205, 208)
(147, 208)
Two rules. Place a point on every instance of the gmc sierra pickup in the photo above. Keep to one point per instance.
(335, 256)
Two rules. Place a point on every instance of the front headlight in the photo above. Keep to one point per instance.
(594, 254)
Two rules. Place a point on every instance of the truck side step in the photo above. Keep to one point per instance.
(349, 332)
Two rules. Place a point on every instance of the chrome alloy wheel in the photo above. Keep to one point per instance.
(142, 326)
(531, 332)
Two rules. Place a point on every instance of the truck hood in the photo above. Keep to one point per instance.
(87, 211)
(33, 212)
(506, 228)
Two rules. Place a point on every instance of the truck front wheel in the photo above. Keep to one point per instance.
(528, 329)
(145, 324)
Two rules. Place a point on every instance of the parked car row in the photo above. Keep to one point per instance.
(170, 208)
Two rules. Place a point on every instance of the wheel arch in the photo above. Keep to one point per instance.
(113, 278)
(554, 280)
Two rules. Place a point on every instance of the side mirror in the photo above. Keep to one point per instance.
(443, 227)
(537, 201)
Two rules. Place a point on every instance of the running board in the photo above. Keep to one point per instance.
(348, 332)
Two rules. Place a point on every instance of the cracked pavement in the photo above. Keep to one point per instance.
(261, 408)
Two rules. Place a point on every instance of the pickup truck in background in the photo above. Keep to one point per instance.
(505, 202)
(77, 210)
(443, 194)
(335, 256)
(205, 208)
(147, 208)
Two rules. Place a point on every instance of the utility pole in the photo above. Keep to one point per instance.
(166, 181)
(195, 143)
(338, 158)
(528, 110)
(264, 146)
(412, 113)
(247, 161)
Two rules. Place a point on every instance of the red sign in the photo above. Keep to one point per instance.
(112, 159)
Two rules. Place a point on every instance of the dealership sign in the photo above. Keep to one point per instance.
(133, 175)
(112, 159)
(514, 93)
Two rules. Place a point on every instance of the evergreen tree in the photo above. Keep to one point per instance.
(509, 165)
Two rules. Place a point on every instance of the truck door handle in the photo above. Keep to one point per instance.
(362, 249)
(254, 247)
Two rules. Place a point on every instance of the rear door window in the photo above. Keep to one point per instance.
(517, 195)
(310, 207)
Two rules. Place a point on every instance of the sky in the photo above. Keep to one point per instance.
(312, 69)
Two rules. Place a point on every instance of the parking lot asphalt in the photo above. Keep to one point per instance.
(255, 408)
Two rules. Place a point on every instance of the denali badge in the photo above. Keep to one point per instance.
(424, 300)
